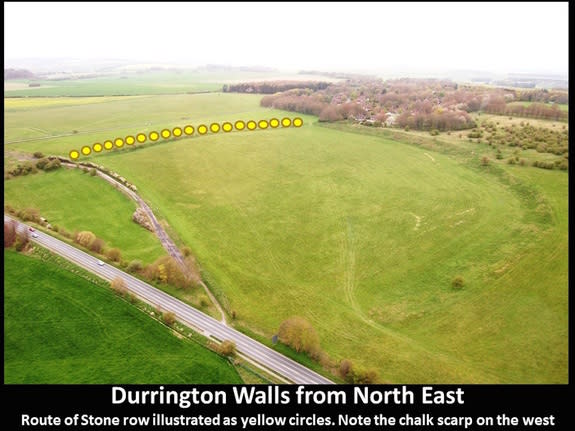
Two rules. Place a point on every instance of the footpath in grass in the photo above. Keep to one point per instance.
(62, 329)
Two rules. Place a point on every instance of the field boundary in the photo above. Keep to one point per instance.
(159, 231)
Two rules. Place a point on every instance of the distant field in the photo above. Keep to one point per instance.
(59, 328)
(160, 82)
(507, 120)
(76, 201)
(360, 234)
(81, 121)
(561, 106)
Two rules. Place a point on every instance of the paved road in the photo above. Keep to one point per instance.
(160, 232)
(206, 325)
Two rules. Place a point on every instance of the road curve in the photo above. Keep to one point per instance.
(160, 232)
(253, 350)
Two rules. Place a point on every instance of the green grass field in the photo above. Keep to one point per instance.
(32, 124)
(61, 329)
(360, 234)
(133, 83)
(73, 200)
(363, 236)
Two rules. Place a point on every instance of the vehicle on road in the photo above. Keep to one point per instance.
(34, 235)
(31, 229)
(100, 263)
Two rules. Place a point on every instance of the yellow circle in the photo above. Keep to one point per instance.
(252, 125)
(240, 125)
(108, 145)
(177, 132)
(130, 140)
(214, 127)
(188, 130)
(86, 150)
(74, 154)
(263, 124)
(119, 142)
(154, 136)
(97, 147)
(166, 133)
(227, 127)
(202, 129)
(286, 122)
(141, 137)
(297, 122)
(274, 122)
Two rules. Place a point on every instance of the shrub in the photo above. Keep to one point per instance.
(38, 155)
(114, 254)
(135, 266)
(85, 238)
(457, 283)
(9, 233)
(29, 214)
(345, 370)
(53, 164)
(119, 287)
(169, 318)
(298, 333)
(22, 241)
(97, 245)
(227, 348)
(484, 161)
(41, 164)
(365, 377)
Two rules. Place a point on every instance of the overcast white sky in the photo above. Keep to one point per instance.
(495, 37)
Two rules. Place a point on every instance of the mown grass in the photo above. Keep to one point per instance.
(362, 235)
(76, 201)
(59, 328)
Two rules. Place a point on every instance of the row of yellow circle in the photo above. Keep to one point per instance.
(188, 130)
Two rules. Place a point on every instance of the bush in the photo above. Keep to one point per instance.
(41, 164)
(97, 246)
(345, 370)
(457, 283)
(227, 348)
(53, 164)
(38, 155)
(9, 233)
(485, 161)
(135, 266)
(85, 238)
(22, 241)
(30, 214)
(169, 318)
(114, 254)
(365, 377)
(119, 287)
(298, 333)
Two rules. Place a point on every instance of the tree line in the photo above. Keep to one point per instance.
(271, 87)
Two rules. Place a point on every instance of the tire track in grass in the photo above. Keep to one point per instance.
(348, 261)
